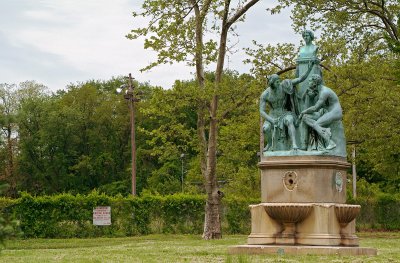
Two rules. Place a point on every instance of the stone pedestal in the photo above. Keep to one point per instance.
(303, 204)
(303, 179)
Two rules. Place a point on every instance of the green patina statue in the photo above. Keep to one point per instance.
(332, 111)
(305, 116)
(279, 97)
(307, 53)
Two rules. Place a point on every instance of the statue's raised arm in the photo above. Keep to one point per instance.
(305, 75)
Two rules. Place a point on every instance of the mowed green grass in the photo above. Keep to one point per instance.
(176, 248)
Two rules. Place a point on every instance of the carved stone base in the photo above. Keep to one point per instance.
(301, 250)
(293, 224)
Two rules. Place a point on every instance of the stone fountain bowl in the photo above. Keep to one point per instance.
(288, 213)
(346, 213)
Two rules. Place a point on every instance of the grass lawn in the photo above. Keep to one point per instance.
(175, 248)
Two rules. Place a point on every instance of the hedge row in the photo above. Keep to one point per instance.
(380, 213)
(65, 215)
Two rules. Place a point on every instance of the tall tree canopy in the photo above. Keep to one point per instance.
(357, 21)
(196, 31)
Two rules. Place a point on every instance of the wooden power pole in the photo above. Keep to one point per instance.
(130, 96)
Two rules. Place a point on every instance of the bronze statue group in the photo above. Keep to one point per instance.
(304, 115)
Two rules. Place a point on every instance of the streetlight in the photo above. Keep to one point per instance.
(182, 159)
(130, 97)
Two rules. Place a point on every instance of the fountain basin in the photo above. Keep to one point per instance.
(346, 213)
(288, 212)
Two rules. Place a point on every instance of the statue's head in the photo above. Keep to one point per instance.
(287, 86)
(308, 36)
(314, 81)
(273, 80)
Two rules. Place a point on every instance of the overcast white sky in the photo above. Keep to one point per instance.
(57, 42)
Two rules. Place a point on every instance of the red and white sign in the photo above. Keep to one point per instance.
(102, 216)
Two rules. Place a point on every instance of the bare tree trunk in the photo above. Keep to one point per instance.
(212, 223)
(212, 220)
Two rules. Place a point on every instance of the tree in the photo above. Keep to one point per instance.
(177, 31)
(172, 114)
(73, 141)
(357, 21)
(11, 98)
(170, 132)
(8, 107)
(370, 98)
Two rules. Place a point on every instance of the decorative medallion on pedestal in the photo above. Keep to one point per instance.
(339, 181)
(290, 180)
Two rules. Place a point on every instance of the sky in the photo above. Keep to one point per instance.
(58, 42)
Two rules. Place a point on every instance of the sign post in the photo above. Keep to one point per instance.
(102, 216)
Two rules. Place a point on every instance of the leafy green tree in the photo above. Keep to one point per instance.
(174, 130)
(171, 132)
(78, 140)
(176, 31)
(63, 141)
(357, 21)
(370, 99)
(8, 109)
(11, 99)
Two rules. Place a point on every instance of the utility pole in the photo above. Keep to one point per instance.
(130, 97)
(353, 143)
(354, 171)
(183, 171)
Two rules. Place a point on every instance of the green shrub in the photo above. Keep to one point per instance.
(9, 226)
(388, 211)
(66, 215)
(381, 212)
(237, 215)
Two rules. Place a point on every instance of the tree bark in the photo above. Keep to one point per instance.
(212, 222)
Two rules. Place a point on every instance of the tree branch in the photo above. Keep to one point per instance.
(240, 12)
(286, 70)
(204, 9)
